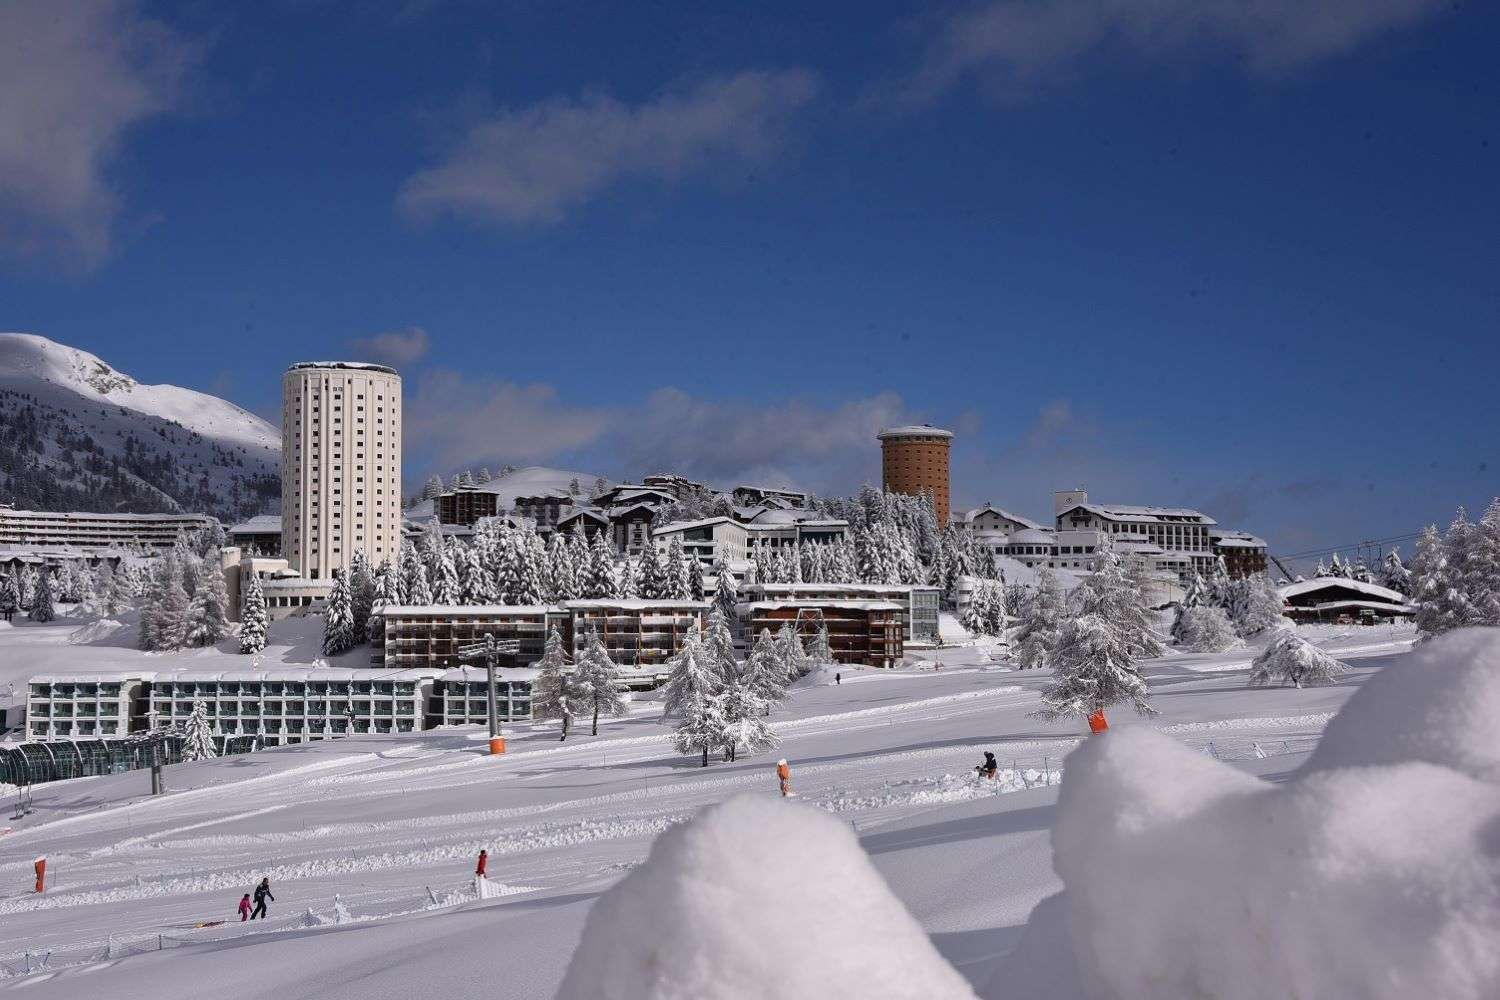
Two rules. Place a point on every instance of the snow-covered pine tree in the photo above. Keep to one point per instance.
(1092, 668)
(1482, 568)
(415, 587)
(446, 588)
(42, 609)
(600, 678)
(163, 620)
(1041, 623)
(557, 693)
(1260, 608)
(691, 697)
(628, 576)
(1393, 573)
(1320, 572)
(650, 583)
(1433, 591)
(1195, 595)
(740, 709)
(560, 572)
(433, 487)
(695, 590)
(532, 560)
(765, 671)
(252, 617)
(819, 649)
(1337, 568)
(10, 597)
(599, 579)
(676, 570)
(789, 649)
(208, 611)
(1206, 630)
(1289, 658)
(361, 592)
(1108, 593)
(338, 619)
(485, 475)
(718, 646)
(198, 734)
(26, 586)
(726, 594)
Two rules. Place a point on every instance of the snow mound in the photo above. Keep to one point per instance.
(756, 899)
(1439, 704)
(1374, 874)
(96, 631)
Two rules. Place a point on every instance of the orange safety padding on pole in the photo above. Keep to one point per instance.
(1097, 723)
(497, 744)
(41, 873)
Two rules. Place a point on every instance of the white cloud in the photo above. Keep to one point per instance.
(75, 77)
(1012, 45)
(393, 347)
(532, 164)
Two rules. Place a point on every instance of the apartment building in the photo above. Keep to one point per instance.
(919, 604)
(460, 695)
(33, 529)
(257, 536)
(63, 706)
(340, 465)
(430, 636)
(466, 506)
(866, 632)
(1243, 553)
(707, 539)
(640, 634)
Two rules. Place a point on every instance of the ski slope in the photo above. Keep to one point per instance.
(391, 827)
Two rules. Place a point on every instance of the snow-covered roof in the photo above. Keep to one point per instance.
(313, 673)
(1002, 512)
(1033, 536)
(296, 583)
(479, 674)
(817, 602)
(260, 524)
(593, 512)
(359, 366)
(824, 588)
(913, 430)
(1376, 591)
(462, 610)
(634, 604)
(1128, 512)
(1236, 540)
(107, 677)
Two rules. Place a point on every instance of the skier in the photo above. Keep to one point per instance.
(244, 907)
(989, 768)
(262, 893)
(481, 869)
(838, 679)
(784, 775)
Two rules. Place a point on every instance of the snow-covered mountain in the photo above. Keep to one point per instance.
(76, 434)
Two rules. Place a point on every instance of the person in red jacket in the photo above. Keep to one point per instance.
(784, 775)
(244, 907)
(481, 869)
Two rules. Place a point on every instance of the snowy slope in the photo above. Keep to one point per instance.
(190, 450)
(531, 481)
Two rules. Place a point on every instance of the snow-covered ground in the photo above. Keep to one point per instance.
(391, 827)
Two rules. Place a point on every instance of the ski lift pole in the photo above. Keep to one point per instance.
(490, 651)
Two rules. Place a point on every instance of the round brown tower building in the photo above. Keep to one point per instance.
(915, 458)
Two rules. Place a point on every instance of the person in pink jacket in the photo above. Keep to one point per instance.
(244, 907)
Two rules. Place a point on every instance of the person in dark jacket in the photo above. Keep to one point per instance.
(989, 768)
(262, 893)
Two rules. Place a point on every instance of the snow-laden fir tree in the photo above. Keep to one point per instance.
(208, 611)
(1195, 595)
(600, 678)
(1481, 565)
(1290, 659)
(338, 619)
(819, 649)
(691, 697)
(741, 710)
(726, 595)
(26, 586)
(164, 608)
(1037, 635)
(433, 488)
(42, 609)
(599, 580)
(695, 590)
(649, 582)
(198, 734)
(10, 597)
(252, 617)
(1218, 584)
(387, 591)
(1394, 574)
(472, 578)
(1109, 593)
(361, 592)
(677, 586)
(557, 693)
(628, 578)
(563, 577)
(718, 646)
(533, 585)
(1092, 669)
(414, 583)
(446, 589)
(1259, 606)
(1206, 629)
(789, 649)
(765, 672)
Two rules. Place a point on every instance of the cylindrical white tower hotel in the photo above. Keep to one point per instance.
(340, 465)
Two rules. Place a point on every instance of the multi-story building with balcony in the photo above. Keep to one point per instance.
(64, 706)
(87, 532)
(466, 505)
(431, 636)
(867, 632)
(640, 634)
(919, 604)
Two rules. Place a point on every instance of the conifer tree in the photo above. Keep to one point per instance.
(599, 579)
(1439, 604)
(695, 590)
(1289, 658)
(1109, 593)
(446, 589)
(387, 593)
(726, 595)
(361, 592)
(765, 672)
(208, 611)
(198, 733)
(600, 678)
(819, 649)
(1040, 624)
(41, 600)
(740, 709)
(253, 616)
(414, 583)
(1206, 630)
(10, 597)
(1481, 577)
(1394, 574)
(691, 691)
(560, 562)
(531, 561)
(676, 568)
(629, 585)
(789, 650)
(719, 646)
(557, 693)
(1194, 596)
(1092, 668)
(1260, 608)
(649, 583)
(338, 618)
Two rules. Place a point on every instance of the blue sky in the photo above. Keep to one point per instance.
(1239, 255)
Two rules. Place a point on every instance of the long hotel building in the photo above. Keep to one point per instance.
(340, 465)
